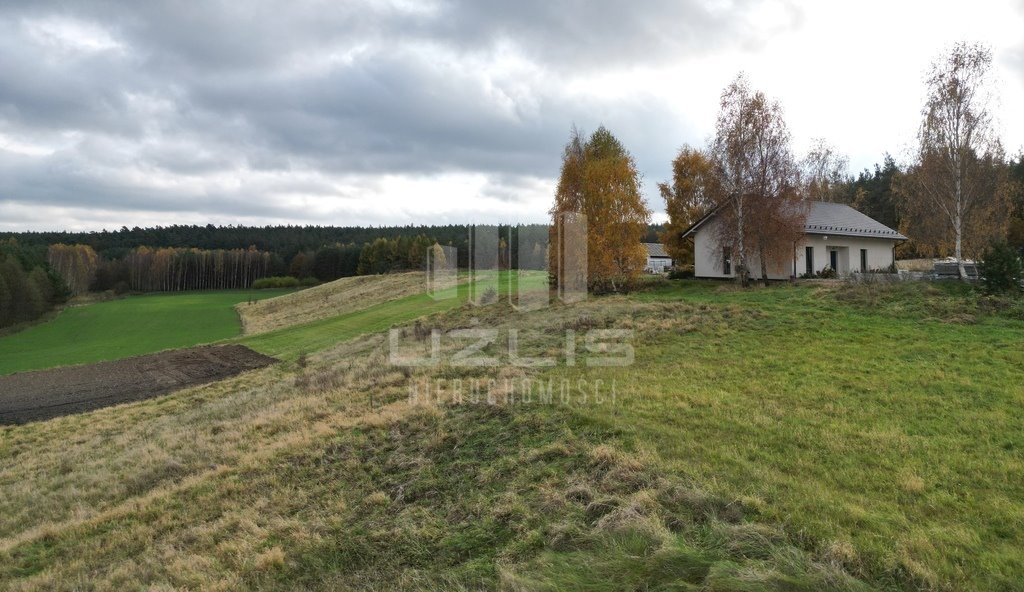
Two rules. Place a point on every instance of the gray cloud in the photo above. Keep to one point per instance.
(148, 107)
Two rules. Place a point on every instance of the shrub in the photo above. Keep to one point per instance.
(275, 282)
(490, 295)
(826, 273)
(1000, 269)
(309, 282)
(684, 272)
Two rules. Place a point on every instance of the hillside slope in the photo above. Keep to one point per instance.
(730, 457)
(327, 300)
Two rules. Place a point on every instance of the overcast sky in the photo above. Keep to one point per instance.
(343, 113)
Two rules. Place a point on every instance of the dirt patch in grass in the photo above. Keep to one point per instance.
(34, 396)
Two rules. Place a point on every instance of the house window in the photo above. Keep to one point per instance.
(809, 260)
(726, 261)
(863, 260)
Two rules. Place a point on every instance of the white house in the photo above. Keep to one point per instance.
(836, 236)
(657, 259)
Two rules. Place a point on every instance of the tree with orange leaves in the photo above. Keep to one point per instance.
(600, 180)
(692, 193)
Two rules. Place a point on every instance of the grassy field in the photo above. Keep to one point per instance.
(126, 327)
(372, 304)
(328, 300)
(881, 424)
(791, 438)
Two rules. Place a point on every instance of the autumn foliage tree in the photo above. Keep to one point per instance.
(760, 208)
(693, 192)
(172, 270)
(76, 264)
(956, 194)
(600, 181)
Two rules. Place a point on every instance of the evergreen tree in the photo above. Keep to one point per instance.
(6, 302)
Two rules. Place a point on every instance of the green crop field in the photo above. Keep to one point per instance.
(126, 327)
(810, 437)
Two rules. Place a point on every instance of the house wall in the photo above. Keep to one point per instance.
(879, 252)
(708, 257)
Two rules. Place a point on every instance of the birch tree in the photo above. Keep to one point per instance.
(760, 209)
(957, 181)
(600, 180)
(731, 152)
(823, 172)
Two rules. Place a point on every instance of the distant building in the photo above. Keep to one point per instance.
(658, 260)
(836, 236)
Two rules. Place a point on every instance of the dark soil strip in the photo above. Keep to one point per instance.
(44, 394)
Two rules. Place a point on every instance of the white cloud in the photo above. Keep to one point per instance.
(70, 36)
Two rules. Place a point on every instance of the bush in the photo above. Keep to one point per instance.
(490, 295)
(826, 273)
(309, 282)
(1000, 269)
(684, 272)
(276, 282)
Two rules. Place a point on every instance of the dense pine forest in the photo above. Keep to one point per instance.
(29, 287)
(39, 270)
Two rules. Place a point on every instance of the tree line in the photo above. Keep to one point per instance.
(33, 281)
(284, 242)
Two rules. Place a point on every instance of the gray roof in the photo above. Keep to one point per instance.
(830, 218)
(656, 250)
(840, 219)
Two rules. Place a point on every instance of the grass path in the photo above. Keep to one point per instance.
(328, 300)
(127, 327)
(288, 343)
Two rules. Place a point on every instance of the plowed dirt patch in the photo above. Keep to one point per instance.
(33, 396)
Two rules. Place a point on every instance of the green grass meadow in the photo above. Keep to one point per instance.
(882, 425)
(791, 438)
(126, 327)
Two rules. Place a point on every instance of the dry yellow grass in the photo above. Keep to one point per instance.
(185, 440)
(76, 473)
(327, 300)
(915, 264)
